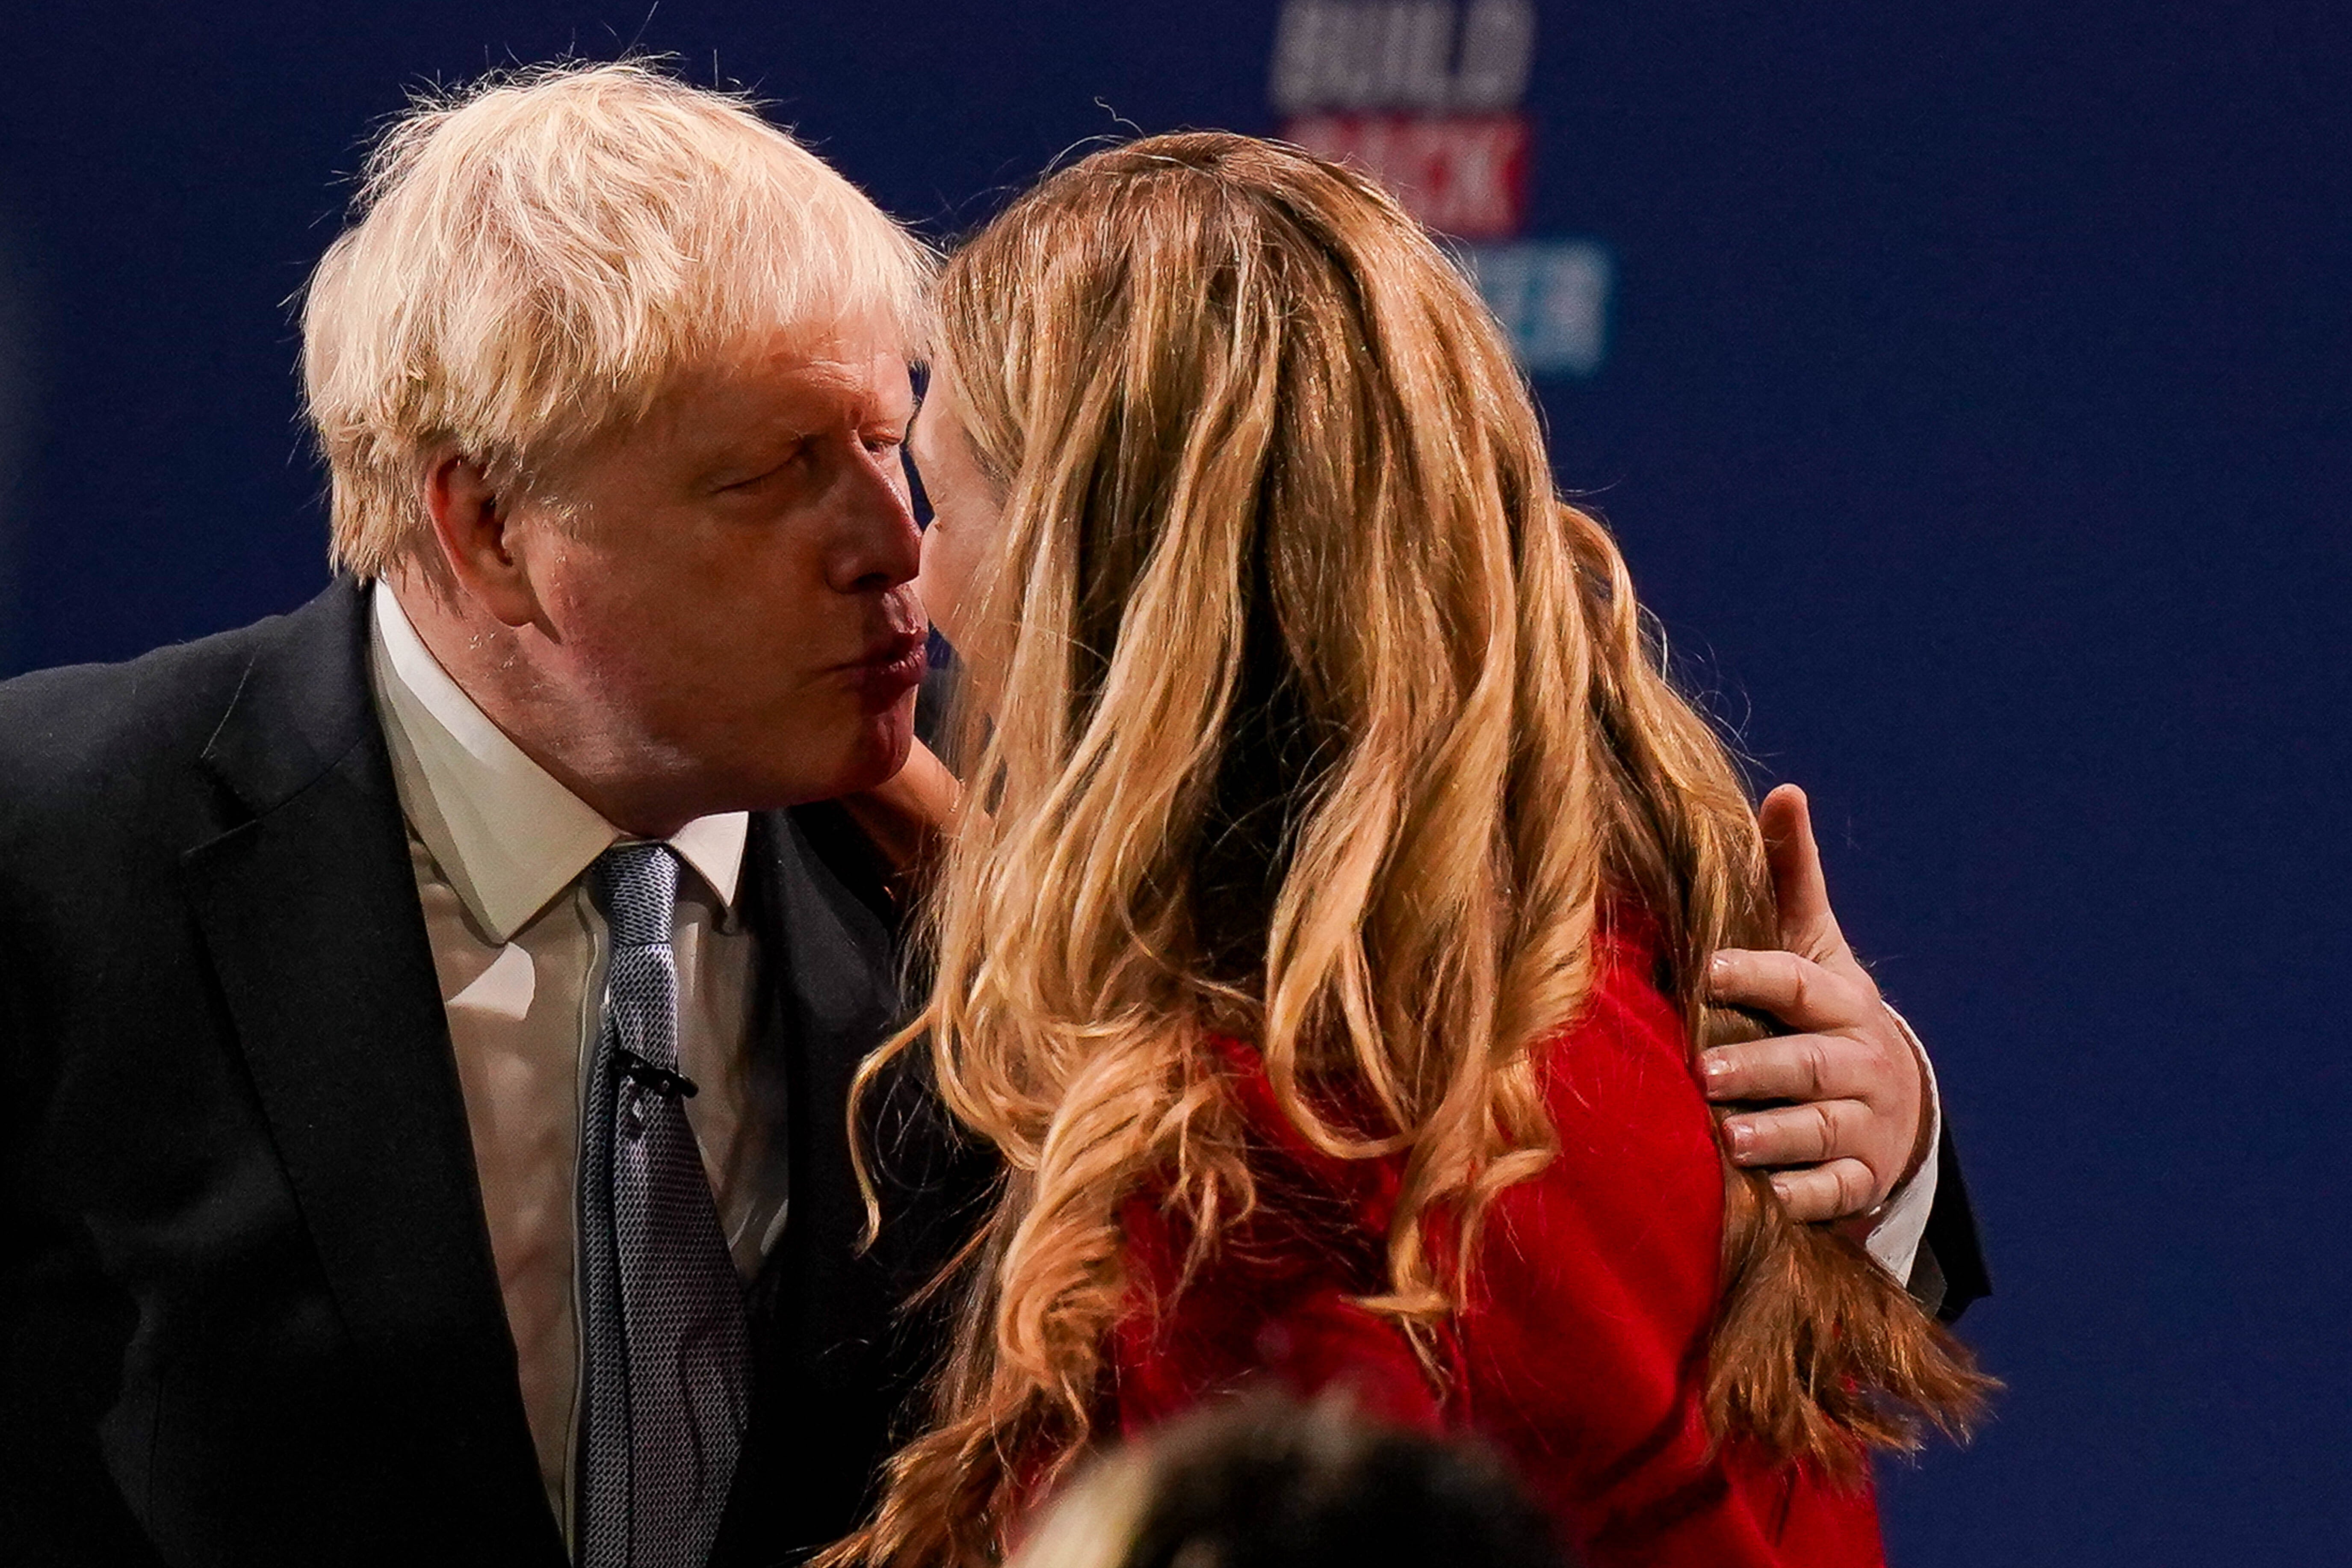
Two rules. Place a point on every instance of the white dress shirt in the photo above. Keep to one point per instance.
(498, 848)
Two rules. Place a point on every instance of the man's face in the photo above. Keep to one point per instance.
(731, 600)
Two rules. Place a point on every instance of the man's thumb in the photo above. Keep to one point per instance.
(1802, 895)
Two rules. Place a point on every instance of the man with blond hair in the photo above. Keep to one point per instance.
(432, 1011)
(429, 1016)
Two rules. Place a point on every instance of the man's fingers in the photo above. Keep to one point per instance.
(1798, 888)
(1833, 1191)
(1805, 1134)
(1797, 991)
(1779, 1067)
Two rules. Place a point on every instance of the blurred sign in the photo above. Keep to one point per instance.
(1552, 298)
(1464, 174)
(1426, 96)
(1429, 55)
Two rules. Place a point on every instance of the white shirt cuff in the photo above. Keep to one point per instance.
(1902, 1222)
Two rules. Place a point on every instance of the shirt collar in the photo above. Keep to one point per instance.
(507, 836)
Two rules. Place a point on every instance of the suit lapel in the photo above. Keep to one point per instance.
(839, 1359)
(309, 914)
(822, 1397)
(828, 939)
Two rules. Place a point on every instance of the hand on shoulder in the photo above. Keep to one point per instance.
(1858, 1125)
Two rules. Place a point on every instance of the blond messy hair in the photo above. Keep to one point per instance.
(538, 256)
(1319, 719)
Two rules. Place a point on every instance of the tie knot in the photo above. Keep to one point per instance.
(635, 887)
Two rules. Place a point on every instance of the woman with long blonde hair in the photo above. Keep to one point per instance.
(1321, 942)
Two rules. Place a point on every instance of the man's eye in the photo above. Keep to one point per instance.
(776, 470)
(881, 441)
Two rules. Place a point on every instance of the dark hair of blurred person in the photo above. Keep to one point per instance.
(1265, 1482)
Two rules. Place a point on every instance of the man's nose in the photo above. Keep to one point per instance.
(881, 547)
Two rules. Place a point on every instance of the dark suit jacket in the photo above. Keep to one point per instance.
(248, 1309)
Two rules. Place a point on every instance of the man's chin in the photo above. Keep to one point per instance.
(881, 751)
(864, 754)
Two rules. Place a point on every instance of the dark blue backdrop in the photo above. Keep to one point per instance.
(1974, 414)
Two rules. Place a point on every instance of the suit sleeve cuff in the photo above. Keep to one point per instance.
(1902, 1222)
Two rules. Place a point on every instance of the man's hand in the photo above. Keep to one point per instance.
(1857, 1128)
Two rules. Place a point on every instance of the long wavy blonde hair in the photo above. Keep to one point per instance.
(1314, 716)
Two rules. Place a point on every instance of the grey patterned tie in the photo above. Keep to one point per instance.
(667, 1383)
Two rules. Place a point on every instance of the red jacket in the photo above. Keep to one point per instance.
(1580, 1353)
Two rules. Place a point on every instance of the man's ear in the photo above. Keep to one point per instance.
(473, 519)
